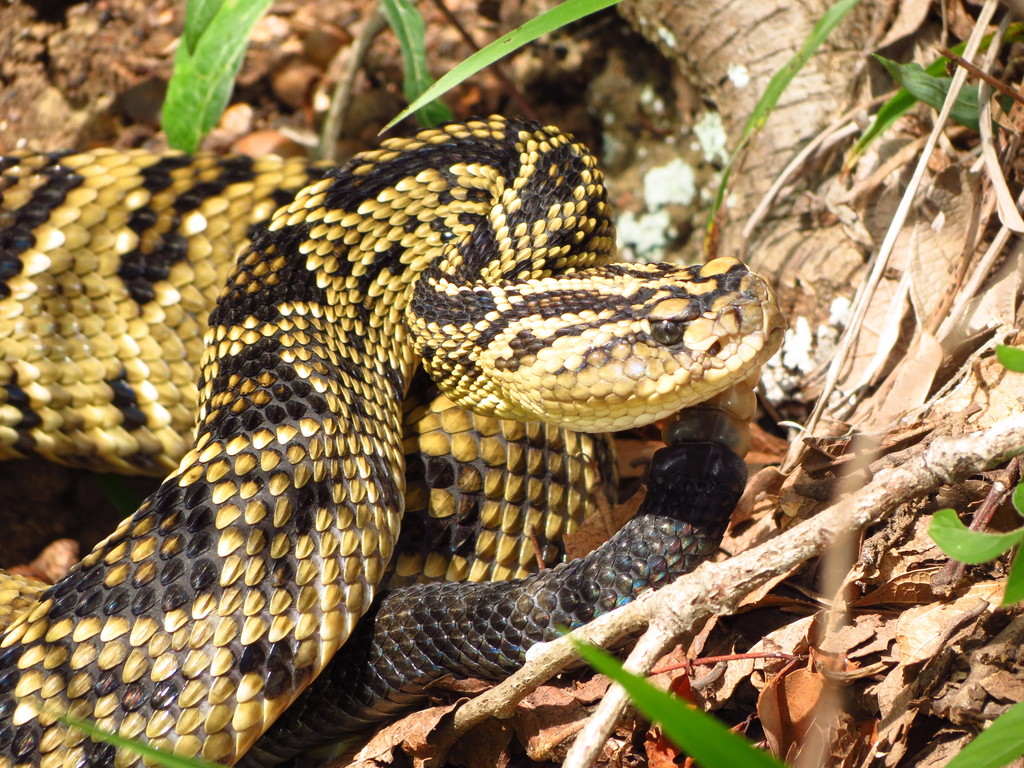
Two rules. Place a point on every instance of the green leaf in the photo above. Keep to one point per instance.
(998, 745)
(1018, 499)
(407, 25)
(902, 100)
(1012, 358)
(562, 14)
(968, 546)
(1014, 591)
(932, 90)
(774, 90)
(887, 114)
(701, 736)
(205, 66)
(159, 756)
(198, 15)
(898, 105)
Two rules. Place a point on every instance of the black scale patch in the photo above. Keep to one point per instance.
(140, 270)
(125, 400)
(16, 227)
(17, 397)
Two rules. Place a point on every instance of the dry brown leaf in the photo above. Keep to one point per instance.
(908, 387)
(989, 389)
(760, 495)
(865, 634)
(787, 708)
(661, 753)
(765, 448)
(485, 746)
(994, 307)
(791, 638)
(551, 716)
(52, 564)
(911, 588)
(937, 236)
(408, 735)
(923, 630)
(910, 15)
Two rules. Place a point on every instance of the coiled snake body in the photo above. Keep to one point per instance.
(477, 251)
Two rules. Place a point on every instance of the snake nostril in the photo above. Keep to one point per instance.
(715, 349)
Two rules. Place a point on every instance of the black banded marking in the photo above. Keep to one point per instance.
(17, 230)
(19, 399)
(142, 270)
(125, 400)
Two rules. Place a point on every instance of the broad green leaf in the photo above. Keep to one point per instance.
(407, 25)
(998, 745)
(701, 736)
(967, 546)
(898, 105)
(902, 100)
(159, 756)
(932, 90)
(1014, 591)
(1018, 499)
(774, 90)
(205, 66)
(1012, 358)
(198, 15)
(562, 14)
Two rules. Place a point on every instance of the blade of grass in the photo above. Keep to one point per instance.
(701, 736)
(766, 104)
(407, 24)
(1012, 358)
(559, 16)
(932, 89)
(159, 756)
(198, 15)
(205, 67)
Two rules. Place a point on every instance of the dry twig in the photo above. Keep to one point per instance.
(718, 588)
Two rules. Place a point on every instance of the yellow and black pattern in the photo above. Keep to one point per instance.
(109, 265)
(200, 619)
(484, 493)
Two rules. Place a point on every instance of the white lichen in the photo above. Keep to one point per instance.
(839, 312)
(645, 236)
(738, 75)
(710, 133)
(674, 183)
(667, 37)
(651, 101)
(798, 346)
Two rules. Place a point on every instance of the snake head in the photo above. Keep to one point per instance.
(616, 346)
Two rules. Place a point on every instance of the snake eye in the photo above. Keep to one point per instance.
(668, 333)
(669, 319)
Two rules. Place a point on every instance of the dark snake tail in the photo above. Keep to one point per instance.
(417, 635)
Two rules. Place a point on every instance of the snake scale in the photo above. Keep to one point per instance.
(477, 252)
